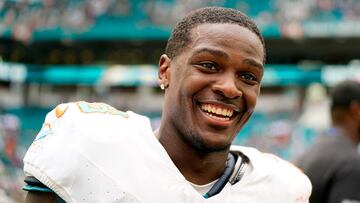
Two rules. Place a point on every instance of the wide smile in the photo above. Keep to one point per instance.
(219, 114)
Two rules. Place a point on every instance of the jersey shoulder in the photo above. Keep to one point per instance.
(72, 134)
(68, 121)
(82, 109)
(279, 174)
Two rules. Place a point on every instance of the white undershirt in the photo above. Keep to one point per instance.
(203, 189)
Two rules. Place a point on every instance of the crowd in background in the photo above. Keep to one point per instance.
(11, 153)
(285, 18)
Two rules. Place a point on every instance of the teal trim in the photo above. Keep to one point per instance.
(36, 189)
(45, 131)
(33, 188)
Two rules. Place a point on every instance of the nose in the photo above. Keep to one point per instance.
(227, 87)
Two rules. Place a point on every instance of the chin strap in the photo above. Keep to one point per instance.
(235, 168)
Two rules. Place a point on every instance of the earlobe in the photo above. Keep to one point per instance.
(164, 70)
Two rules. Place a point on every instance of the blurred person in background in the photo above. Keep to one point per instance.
(211, 74)
(333, 162)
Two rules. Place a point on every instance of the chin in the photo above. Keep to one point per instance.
(207, 146)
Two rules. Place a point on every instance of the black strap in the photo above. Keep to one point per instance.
(220, 184)
(230, 175)
(31, 180)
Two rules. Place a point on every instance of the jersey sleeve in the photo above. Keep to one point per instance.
(33, 184)
(293, 179)
(276, 179)
(54, 157)
(51, 158)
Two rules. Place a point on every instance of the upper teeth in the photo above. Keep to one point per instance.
(217, 110)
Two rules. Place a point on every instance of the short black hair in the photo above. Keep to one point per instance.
(180, 36)
(344, 93)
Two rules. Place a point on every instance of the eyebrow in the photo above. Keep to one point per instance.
(214, 52)
(252, 62)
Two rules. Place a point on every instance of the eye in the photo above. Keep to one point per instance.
(248, 77)
(209, 66)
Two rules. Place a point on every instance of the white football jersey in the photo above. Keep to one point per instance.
(91, 152)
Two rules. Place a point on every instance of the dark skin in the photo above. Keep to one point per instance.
(221, 67)
(40, 197)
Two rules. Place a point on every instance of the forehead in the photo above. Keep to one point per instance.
(227, 36)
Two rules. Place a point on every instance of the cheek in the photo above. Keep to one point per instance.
(251, 96)
(194, 82)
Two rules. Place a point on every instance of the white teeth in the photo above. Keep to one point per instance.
(219, 118)
(204, 107)
(217, 110)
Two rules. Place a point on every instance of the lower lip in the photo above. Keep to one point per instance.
(214, 121)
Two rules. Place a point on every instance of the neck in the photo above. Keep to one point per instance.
(348, 122)
(351, 133)
(197, 167)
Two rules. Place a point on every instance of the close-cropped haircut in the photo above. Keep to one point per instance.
(344, 93)
(180, 36)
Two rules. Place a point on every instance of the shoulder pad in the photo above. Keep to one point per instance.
(54, 158)
(272, 170)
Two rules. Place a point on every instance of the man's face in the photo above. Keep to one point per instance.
(213, 85)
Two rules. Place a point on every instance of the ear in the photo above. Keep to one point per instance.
(355, 109)
(164, 70)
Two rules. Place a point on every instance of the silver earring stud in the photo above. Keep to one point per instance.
(162, 86)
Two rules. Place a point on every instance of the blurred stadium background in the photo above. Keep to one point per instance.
(54, 51)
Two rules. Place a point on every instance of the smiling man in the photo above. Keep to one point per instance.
(211, 74)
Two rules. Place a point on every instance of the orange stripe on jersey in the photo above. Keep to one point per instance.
(60, 110)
